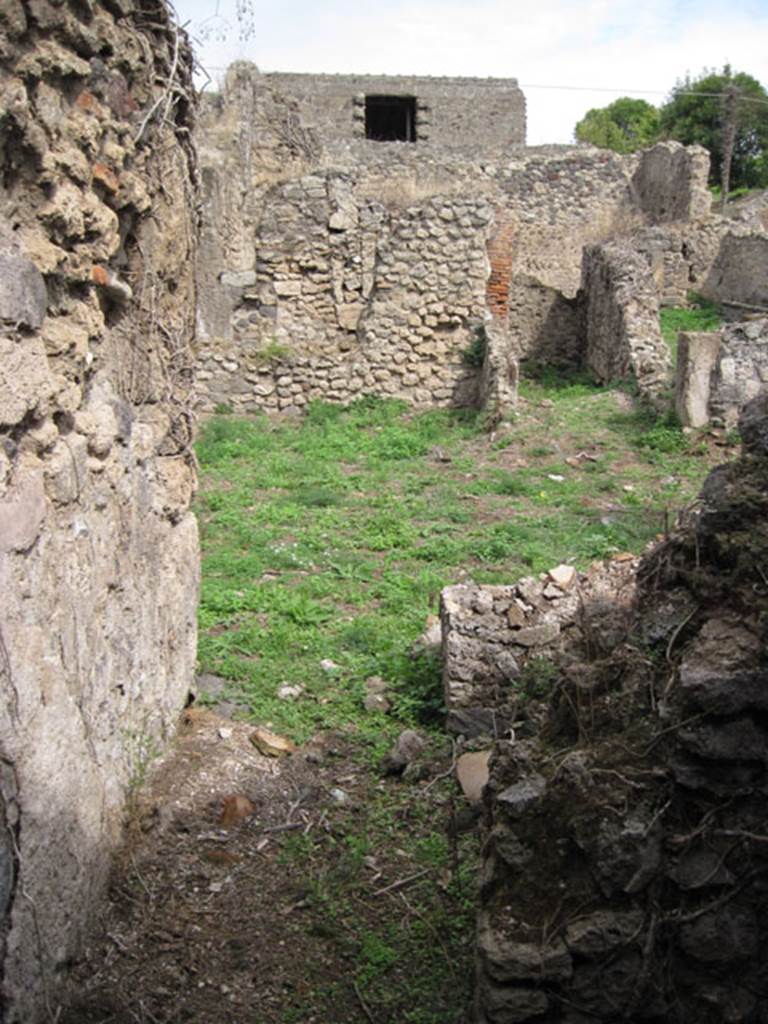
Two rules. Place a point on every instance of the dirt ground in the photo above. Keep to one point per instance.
(209, 922)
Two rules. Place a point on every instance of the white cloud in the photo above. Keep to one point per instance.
(609, 44)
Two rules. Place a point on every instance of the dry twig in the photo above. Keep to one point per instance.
(168, 94)
(363, 1003)
(680, 627)
(447, 772)
(401, 882)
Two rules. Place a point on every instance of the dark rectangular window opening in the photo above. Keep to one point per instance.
(390, 118)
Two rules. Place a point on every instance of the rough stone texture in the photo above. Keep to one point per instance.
(697, 353)
(680, 256)
(335, 267)
(490, 634)
(545, 326)
(625, 861)
(740, 372)
(753, 425)
(719, 372)
(23, 296)
(671, 182)
(623, 337)
(98, 549)
(625, 280)
(739, 273)
(340, 281)
(472, 113)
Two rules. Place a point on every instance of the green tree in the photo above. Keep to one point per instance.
(699, 111)
(623, 126)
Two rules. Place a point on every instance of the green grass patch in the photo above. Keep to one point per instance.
(699, 315)
(329, 539)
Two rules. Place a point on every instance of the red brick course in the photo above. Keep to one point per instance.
(500, 256)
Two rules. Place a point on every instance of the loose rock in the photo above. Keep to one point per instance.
(407, 748)
(235, 808)
(472, 774)
(270, 744)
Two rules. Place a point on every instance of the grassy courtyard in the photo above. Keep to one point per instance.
(326, 542)
(328, 539)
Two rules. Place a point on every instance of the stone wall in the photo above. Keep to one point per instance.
(98, 549)
(718, 372)
(545, 326)
(623, 337)
(485, 115)
(339, 270)
(347, 297)
(671, 183)
(679, 256)
(625, 281)
(561, 199)
(624, 848)
(739, 272)
(740, 371)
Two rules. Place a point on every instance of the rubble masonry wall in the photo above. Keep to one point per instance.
(98, 548)
(372, 268)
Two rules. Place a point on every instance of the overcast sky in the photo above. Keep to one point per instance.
(561, 53)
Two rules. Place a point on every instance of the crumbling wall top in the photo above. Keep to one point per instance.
(483, 114)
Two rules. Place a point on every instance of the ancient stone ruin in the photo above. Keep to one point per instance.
(335, 266)
(624, 872)
(98, 548)
(369, 236)
(427, 268)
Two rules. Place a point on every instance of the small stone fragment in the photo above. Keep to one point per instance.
(431, 638)
(478, 721)
(536, 636)
(516, 799)
(508, 1005)
(516, 616)
(106, 177)
(623, 556)
(563, 576)
(472, 774)
(529, 590)
(506, 664)
(23, 294)
(270, 744)
(375, 684)
(597, 934)
(328, 666)
(235, 808)
(377, 702)
(407, 748)
(509, 961)
(289, 691)
(375, 695)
